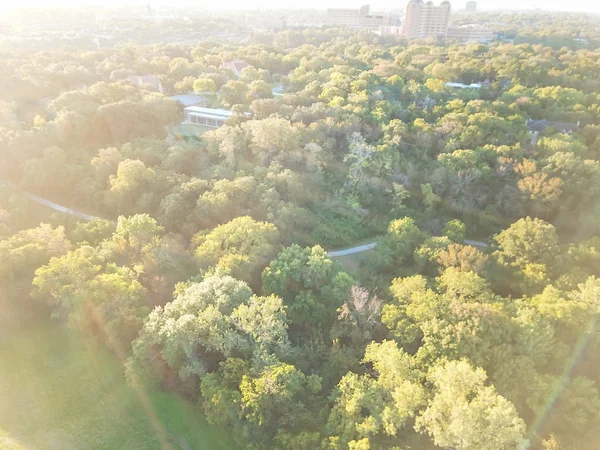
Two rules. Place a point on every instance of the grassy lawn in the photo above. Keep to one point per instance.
(58, 391)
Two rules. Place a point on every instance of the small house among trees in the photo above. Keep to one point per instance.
(537, 126)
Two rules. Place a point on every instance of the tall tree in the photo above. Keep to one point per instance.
(311, 285)
(465, 414)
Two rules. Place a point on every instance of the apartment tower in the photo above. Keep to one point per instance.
(425, 19)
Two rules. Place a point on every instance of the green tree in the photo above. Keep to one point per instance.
(104, 300)
(205, 324)
(205, 85)
(466, 414)
(396, 247)
(259, 89)
(455, 230)
(131, 187)
(575, 405)
(132, 238)
(233, 92)
(241, 248)
(93, 232)
(22, 253)
(465, 258)
(379, 406)
(311, 285)
(528, 249)
(269, 406)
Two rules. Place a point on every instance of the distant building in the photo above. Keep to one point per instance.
(190, 99)
(360, 18)
(346, 17)
(209, 117)
(278, 91)
(236, 66)
(390, 29)
(425, 19)
(535, 127)
(153, 14)
(143, 80)
(268, 23)
(471, 6)
(476, 86)
(471, 33)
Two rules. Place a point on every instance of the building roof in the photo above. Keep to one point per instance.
(189, 99)
(211, 113)
(143, 79)
(540, 125)
(237, 65)
(464, 86)
(278, 91)
(469, 26)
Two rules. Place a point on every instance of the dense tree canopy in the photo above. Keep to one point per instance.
(471, 324)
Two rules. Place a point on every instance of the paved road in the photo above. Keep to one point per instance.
(351, 251)
(53, 205)
(72, 212)
(58, 207)
(365, 247)
(475, 243)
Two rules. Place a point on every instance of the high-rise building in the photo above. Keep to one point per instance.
(471, 6)
(359, 18)
(425, 19)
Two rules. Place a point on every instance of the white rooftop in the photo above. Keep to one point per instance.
(188, 99)
(472, 26)
(216, 113)
(464, 86)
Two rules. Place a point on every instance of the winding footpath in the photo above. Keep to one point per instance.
(372, 245)
(79, 214)
(60, 208)
(55, 206)
(353, 250)
(475, 243)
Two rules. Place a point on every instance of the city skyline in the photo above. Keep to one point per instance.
(482, 5)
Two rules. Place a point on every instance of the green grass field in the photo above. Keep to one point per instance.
(58, 391)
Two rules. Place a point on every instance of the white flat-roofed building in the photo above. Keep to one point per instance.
(464, 86)
(209, 117)
(471, 33)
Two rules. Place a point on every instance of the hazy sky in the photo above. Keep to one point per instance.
(555, 5)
